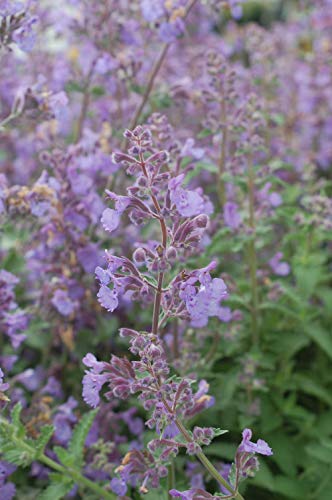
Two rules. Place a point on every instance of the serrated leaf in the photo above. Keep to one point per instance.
(320, 452)
(314, 388)
(16, 420)
(263, 477)
(287, 311)
(57, 490)
(64, 456)
(321, 337)
(16, 414)
(81, 430)
(45, 435)
(17, 456)
(291, 488)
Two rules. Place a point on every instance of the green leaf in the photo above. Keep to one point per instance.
(321, 337)
(73, 86)
(98, 91)
(279, 308)
(64, 456)
(232, 476)
(201, 166)
(284, 452)
(16, 456)
(44, 437)
(219, 432)
(291, 488)
(320, 452)
(314, 388)
(16, 421)
(76, 445)
(57, 489)
(225, 451)
(206, 132)
(264, 477)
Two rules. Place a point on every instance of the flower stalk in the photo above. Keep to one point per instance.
(252, 255)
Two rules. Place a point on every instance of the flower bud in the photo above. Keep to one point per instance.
(202, 221)
(139, 255)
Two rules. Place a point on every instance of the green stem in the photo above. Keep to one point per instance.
(171, 478)
(207, 464)
(73, 474)
(77, 476)
(252, 253)
(215, 474)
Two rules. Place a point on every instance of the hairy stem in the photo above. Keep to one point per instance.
(73, 474)
(77, 477)
(207, 464)
(156, 305)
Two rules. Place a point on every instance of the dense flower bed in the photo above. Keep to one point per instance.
(166, 222)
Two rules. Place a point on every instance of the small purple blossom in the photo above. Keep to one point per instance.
(63, 303)
(188, 203)
(118, 486)
(278, 267)
(248, 446)
(108, 298)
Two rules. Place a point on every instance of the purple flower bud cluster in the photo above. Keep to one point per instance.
(167, 16)
(17, 24)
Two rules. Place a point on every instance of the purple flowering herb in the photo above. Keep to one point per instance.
(182, 215)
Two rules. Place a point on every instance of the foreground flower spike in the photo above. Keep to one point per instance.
(192, 296)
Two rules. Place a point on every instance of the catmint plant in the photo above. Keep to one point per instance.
(160, 194)
(210, 307)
